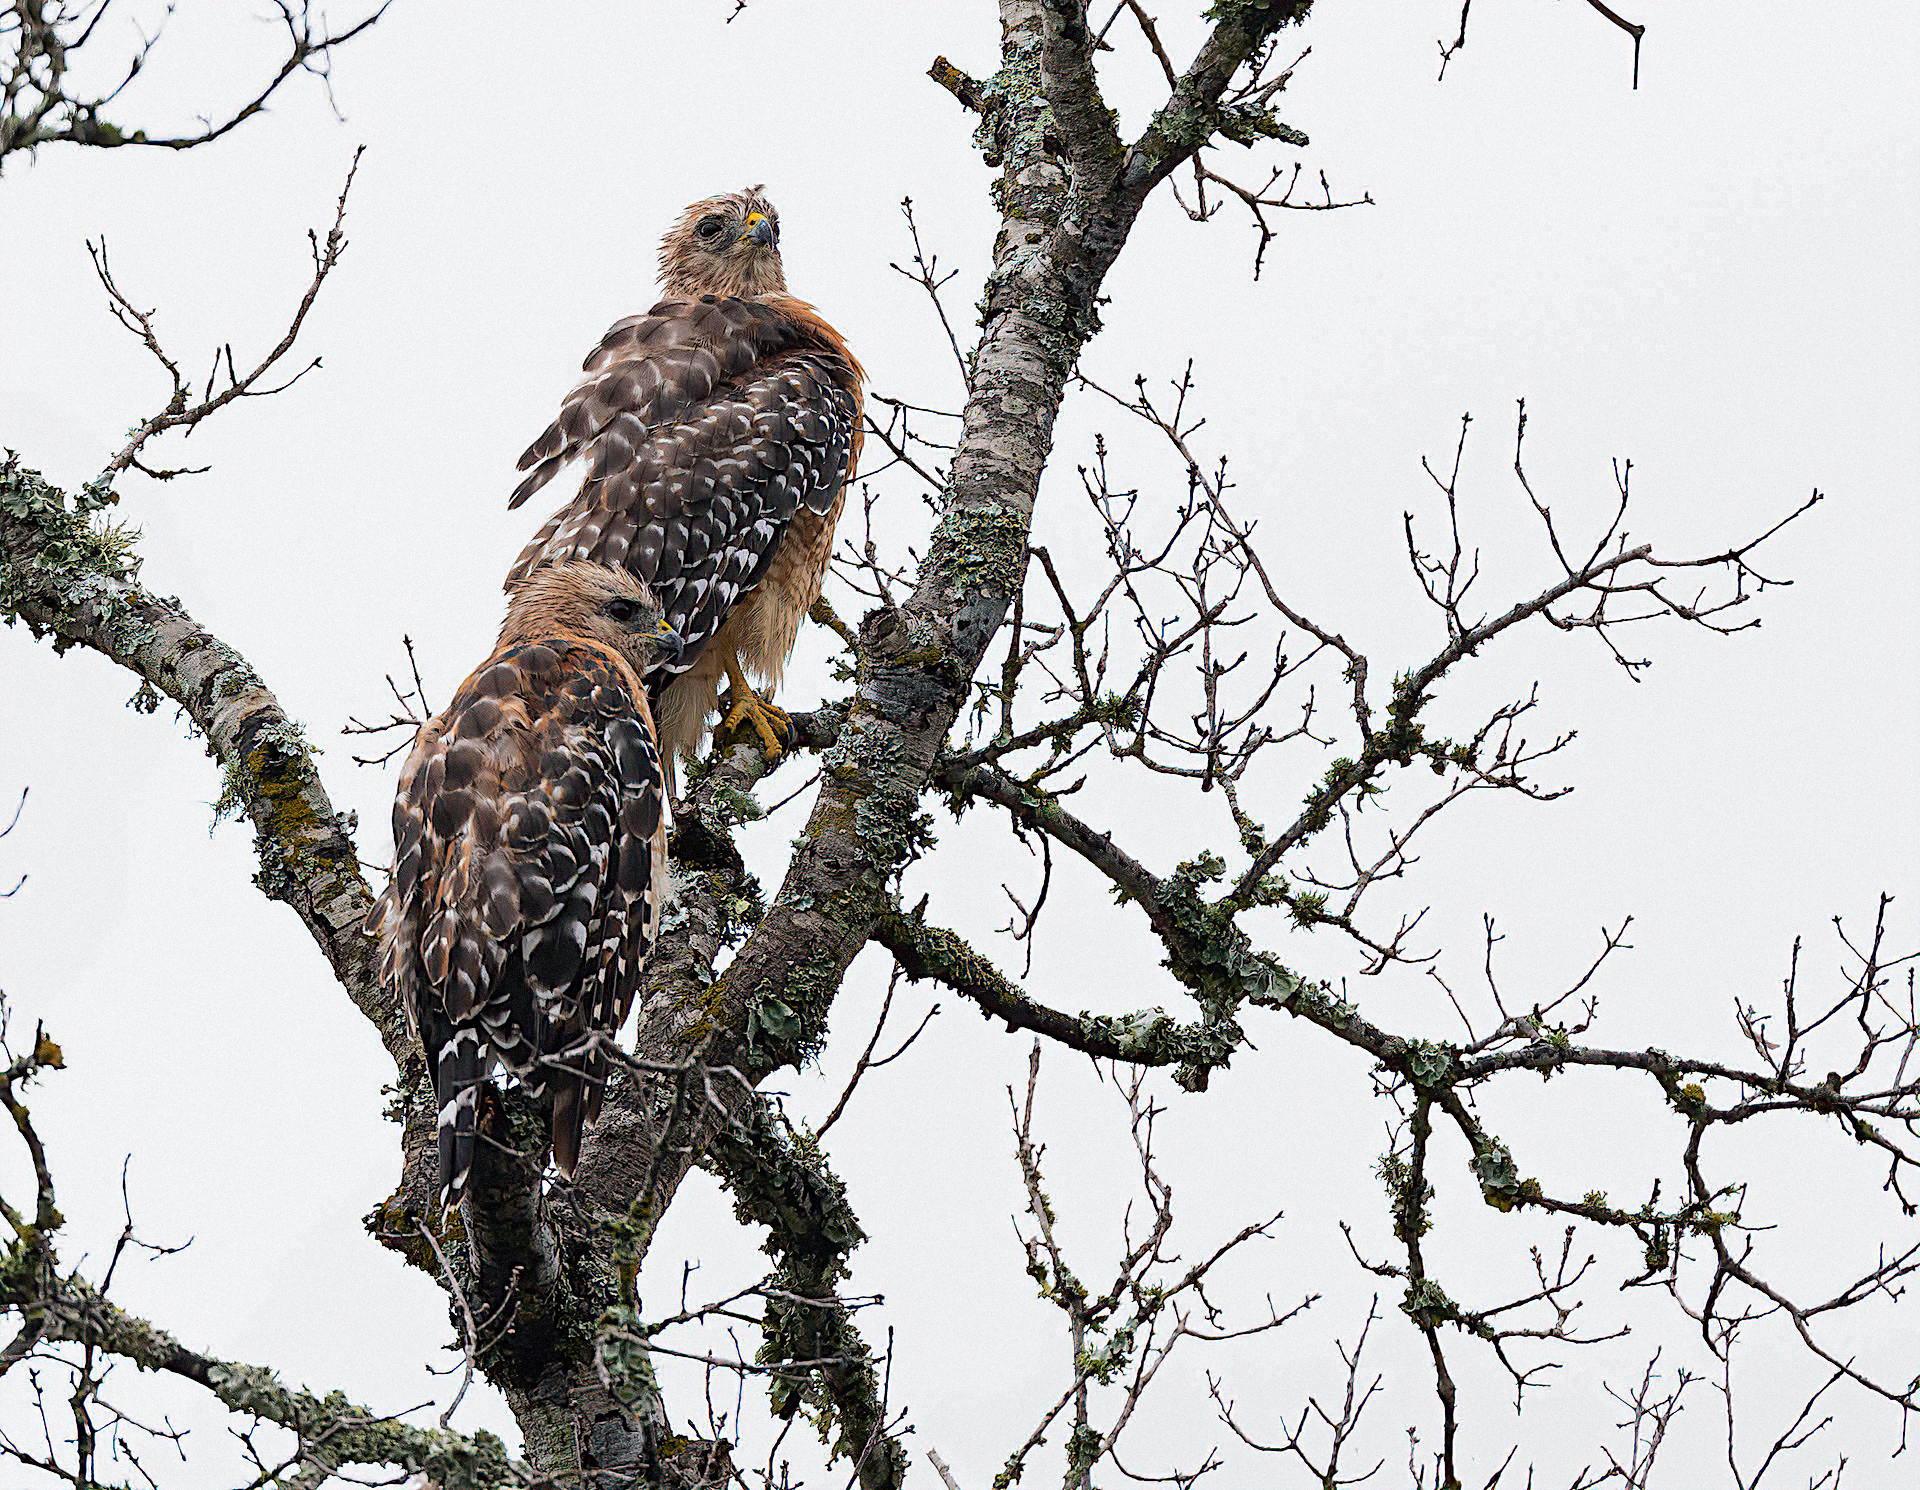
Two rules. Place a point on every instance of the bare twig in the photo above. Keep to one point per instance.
(181, 411)
(1633, 30)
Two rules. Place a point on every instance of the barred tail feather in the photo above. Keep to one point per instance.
(569, 1119)
(596, 1085)
(457, 1089)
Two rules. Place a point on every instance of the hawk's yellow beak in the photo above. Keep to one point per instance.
(758, 230)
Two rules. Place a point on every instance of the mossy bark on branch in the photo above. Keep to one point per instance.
(350, 1434)
(780, 1180)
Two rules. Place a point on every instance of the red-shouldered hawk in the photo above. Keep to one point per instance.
(530, 833)
(717, 433)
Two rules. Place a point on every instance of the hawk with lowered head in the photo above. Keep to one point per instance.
(530, 833)
(716, 435)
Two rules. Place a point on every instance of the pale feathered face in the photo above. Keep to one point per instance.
(594, 603)
(724, 246)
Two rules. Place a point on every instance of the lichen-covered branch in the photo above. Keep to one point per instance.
(1040, 810)
(341, 1431)
(1195, 112)
(70, 575)
(56, 1307)
(1150, 1037)
(779, 1179)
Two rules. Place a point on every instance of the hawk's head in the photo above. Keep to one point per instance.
(593, 603)
(724, 246)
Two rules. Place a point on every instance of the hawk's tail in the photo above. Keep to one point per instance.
(569, 1120)
(456, 1085)
(576, 1102)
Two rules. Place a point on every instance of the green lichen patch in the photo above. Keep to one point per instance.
(981, 545)
(1218, 963)
(1411, 1219)
(1427, 1305)
(74, 558)
(1259, 14)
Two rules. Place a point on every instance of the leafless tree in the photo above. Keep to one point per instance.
(991, 674)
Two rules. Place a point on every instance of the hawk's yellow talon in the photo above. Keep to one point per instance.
(769, 722)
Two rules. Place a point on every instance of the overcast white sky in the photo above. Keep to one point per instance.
(1712, 276)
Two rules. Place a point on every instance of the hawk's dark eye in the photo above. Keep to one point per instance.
(710, 228)
(623, 609)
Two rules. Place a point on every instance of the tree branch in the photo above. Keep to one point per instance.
(72, 577)
(1192, 114)
(351, 1434)
(59, 1306)
(180, 412)
(1148, 1038)
(1080, 114)
(37, 110)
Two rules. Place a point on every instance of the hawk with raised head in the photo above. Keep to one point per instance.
(530, 833)
(716, 435)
